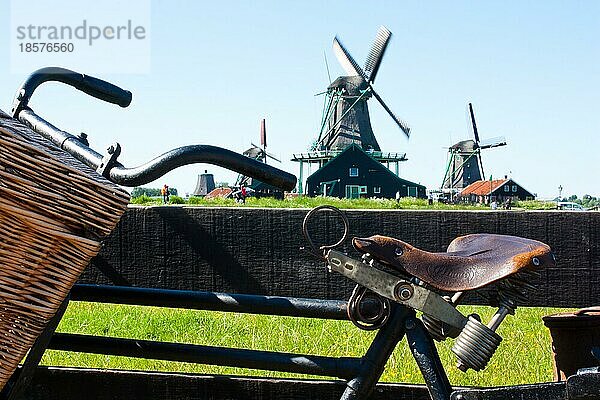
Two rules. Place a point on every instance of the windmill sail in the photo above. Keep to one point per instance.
(401, 124)
(345, 59)
(492, 142)
(263, 133)
(349, 122)
(376, 53)
(475, 133)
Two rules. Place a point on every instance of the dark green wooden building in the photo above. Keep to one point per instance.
(354, 173)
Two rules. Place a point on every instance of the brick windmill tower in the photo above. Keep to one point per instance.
(346, 127)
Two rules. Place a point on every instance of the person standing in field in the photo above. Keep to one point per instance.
(243, 194)
(164, 191)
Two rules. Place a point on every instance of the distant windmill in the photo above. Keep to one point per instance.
(346, 115)
(258, 153)
(464, 158)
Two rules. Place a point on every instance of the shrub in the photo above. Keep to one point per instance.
(536, 205)
(196, 201)
(174, 199)
(145, 200)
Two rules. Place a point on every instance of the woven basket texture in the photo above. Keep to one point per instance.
(54, 214)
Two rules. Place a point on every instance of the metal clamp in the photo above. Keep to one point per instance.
(396, 289)
(109, 159)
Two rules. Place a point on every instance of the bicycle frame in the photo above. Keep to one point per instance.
(362, 374)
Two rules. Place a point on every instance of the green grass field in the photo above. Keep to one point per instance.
(405, 203)
(524, 355)
(409, 203)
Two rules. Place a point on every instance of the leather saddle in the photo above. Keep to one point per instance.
(471, 261)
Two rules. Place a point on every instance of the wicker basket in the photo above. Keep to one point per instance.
(54, 212)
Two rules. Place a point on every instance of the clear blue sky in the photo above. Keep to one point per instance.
(531, 69)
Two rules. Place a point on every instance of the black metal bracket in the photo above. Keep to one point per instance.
(109, 159)
(22, 377)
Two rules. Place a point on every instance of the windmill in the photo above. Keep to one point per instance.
(346, 125)
(464, 158)
(258, 153)
(346, 114)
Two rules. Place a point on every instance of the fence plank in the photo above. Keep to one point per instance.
(52, 383)
(257, 251)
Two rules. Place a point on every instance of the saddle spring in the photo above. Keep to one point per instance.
(477, 343)
(367, 310)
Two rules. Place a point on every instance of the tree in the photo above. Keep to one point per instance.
(150, 192)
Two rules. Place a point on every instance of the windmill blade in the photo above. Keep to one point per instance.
(493, 142)
(473, 123)
(405, 128)
(376, 53)
(327, 66)
(263, 133)
(271, 156)
(480, 165)
(348, 63)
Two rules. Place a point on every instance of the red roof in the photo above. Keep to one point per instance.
(483, 188)
(219, 192)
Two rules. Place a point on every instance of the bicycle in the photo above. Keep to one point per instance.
(394, 279)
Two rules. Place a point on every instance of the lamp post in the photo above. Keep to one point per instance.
(560, 189)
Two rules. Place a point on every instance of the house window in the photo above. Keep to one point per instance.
(362, 190)
(377, 189)
(354, 171)
(506, 188)
(514, 188)
(352, 191)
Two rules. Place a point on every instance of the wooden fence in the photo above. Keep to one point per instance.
(257, 251)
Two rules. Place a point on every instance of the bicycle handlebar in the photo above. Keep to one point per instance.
(107, 164)
(88, 84)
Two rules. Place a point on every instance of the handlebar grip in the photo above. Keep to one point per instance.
(104, 90)
(95, 87)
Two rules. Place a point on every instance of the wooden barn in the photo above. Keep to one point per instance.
(354, 173)
(499, 190)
